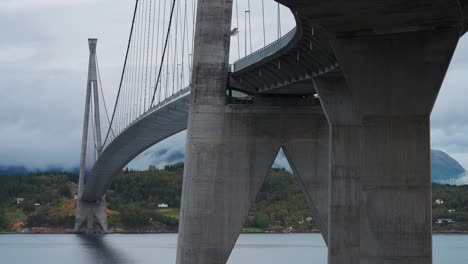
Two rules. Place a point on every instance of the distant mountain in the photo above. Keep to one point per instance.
(444, 167)
(13, 170)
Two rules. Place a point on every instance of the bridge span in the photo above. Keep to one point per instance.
(362, 153)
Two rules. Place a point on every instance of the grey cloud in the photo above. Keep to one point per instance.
(43, 64)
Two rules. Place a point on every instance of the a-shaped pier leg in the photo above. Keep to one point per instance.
(309, 159)
(87, 211)
(229, 148)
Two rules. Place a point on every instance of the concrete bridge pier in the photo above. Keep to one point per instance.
(229, 152)
(230, 148)
(86, 211)
(380, 178)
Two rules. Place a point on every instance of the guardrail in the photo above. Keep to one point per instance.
(264, 52)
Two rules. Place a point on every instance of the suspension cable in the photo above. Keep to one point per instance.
(238, 34)
(279, 21)
(250, 26)
(123, 72)
(102, 95)
(165, 48)
(263, 18)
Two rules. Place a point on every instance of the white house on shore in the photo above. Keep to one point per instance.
(444, 221)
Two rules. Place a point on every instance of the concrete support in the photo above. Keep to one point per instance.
(308, 157)
(85, 209)
(380, 183)
(230, 148)
(89, 210)
(228, 155)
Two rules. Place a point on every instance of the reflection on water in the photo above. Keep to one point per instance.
(161, 249)
(100, 252)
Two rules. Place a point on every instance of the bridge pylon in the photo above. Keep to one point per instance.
(91, 146)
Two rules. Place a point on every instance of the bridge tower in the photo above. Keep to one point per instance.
(91, 147)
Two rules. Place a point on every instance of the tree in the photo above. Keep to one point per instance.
(260, 221)
(64, 190)
(3, 222)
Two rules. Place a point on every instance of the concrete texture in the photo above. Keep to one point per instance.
(309, 156)
(369, 17)
(229, 153)
(380, 198)
(86, 210)
(230, 148)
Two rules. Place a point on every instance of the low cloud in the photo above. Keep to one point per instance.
(16, 53)
(43, 67)
(16, 5)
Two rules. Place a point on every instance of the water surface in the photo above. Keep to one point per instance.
(161, 248)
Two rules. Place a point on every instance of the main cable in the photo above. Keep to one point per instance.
(164, 50)
(123, 71)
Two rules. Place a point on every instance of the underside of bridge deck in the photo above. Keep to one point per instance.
(362, 155)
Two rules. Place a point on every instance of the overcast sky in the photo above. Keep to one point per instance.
(43, 69)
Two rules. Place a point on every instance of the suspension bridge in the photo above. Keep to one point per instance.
(345, 89)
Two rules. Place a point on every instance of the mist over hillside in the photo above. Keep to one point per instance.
(445, 169)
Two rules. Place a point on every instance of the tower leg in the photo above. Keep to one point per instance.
(380, 179)
(309, 160)
(84, 209)
(87, 211)
(229, 152)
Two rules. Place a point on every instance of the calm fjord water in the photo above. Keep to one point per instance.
(161, 248)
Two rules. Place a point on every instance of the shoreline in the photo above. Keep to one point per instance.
(71, 232)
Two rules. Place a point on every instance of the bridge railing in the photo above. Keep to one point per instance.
(264, 52)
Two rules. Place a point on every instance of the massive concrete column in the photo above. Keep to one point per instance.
(230, 148)
(227, 158)
(345, 169)
(380, 183)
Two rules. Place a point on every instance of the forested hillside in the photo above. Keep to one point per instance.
(135, 200)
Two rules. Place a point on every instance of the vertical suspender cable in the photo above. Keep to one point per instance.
(184, 38)
(123, 71)
(238, 34)
(245, 33)
(135, 70)
(147, 54)
(263, 17)
(153, 23)
(165, 48)
(161, 66)
(142, 59)
(250, 27)
(102, 95)
(175, 57)
(279, 21)
(159, 40)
